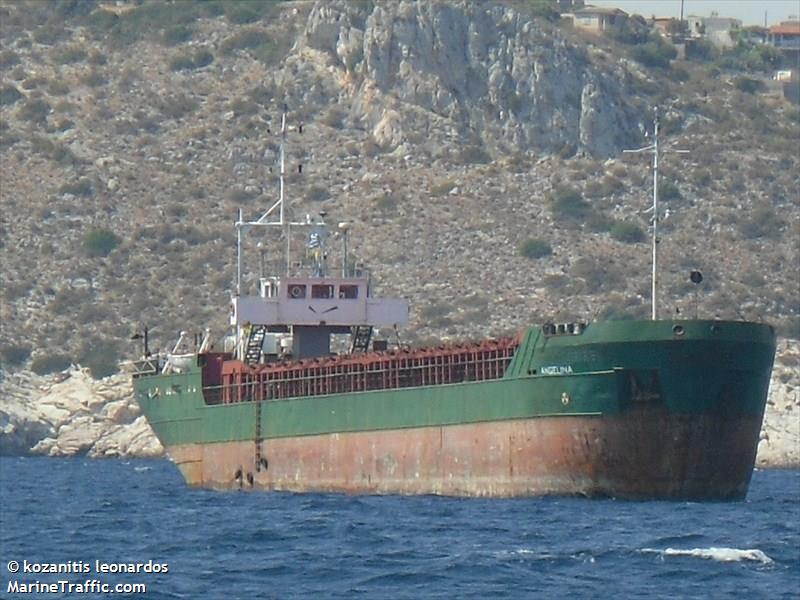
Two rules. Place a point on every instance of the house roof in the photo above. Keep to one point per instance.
(599, 10)
(786, 28)
(716, 21)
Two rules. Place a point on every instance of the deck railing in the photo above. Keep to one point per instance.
(144, 366)
(376, 371)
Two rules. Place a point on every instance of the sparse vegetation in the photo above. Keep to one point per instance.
(68, 55)
(177, 35)
(95, 78)
(100, 242)
(34, 110)
(8, 58)
(240, 195)
(474, 155)
(790, 328)
(147, 19)
(244, 107)
(15, 354)
(32, 83)
(628, 232)
(334, 117)
(568, 202)
(748, 85)
(57, 87)
(100, 356)
(535, 248)
(750, 56)
(762, 222)
(177, 106)
(242, 12)
(317, 193)
(541, 9)
(634, 30)
(568, 150)
(97, 58)
(9, 95)
(598, 275)
(81, 187)
(371, 148)
(50, 363)
(608, 185)
(49, 34)
(244, 39)
(437, 315)
(614, 312)
(388, 202)
(256, 42)
(655, 53)
(700, 50)
(667, 190)
(443, 187)
(56, 151)
(188, 61)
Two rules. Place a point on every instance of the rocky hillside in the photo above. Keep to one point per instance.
(474, 146)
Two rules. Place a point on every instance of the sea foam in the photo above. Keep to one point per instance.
(718, 554)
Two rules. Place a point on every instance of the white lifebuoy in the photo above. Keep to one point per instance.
(296, 291)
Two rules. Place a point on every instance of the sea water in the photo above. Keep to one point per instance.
(117, 522)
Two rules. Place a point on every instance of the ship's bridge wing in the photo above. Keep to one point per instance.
(318, 301)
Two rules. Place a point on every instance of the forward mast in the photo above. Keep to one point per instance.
(655, 240)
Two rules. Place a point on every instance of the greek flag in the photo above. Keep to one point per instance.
(313, 240)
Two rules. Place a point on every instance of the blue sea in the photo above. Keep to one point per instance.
(102, 516)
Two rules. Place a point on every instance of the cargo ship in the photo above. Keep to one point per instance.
(651, 409)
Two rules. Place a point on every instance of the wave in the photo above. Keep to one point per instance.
(718, 554)
(536, 555)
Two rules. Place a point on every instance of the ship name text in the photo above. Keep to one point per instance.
(556, 370)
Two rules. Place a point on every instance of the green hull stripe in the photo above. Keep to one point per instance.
(724, 371)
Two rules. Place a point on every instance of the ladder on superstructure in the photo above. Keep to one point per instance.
(255, 341)
(361, 337)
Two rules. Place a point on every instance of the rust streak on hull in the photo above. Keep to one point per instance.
(642, 454)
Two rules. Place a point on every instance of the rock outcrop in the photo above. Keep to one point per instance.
(453, 69)
(73, 414)
(780, 434)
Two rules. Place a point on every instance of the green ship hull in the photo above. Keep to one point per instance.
(628, 409)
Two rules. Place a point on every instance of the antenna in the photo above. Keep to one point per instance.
(344, 227)
(280, 206)
(653, 148)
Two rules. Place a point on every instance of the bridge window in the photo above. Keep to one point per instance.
(321, 291)
(348, 292)
(297, 290)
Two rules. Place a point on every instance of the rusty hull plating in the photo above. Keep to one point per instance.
(641, 456)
